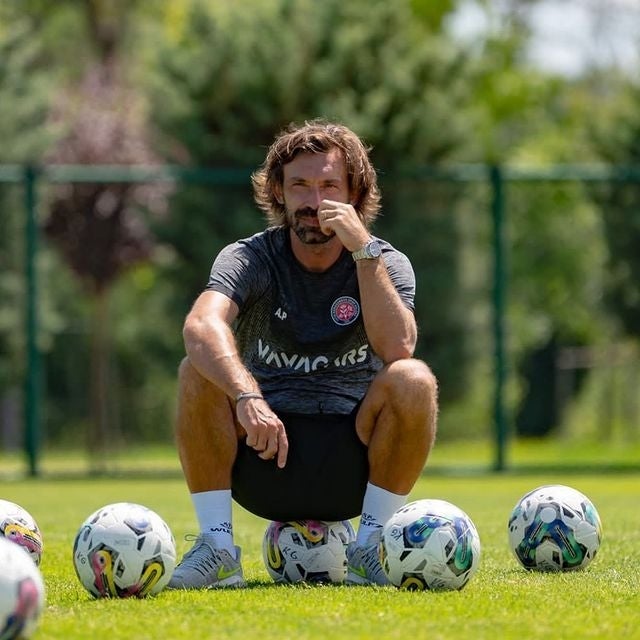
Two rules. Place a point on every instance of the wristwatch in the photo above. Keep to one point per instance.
(370, 251)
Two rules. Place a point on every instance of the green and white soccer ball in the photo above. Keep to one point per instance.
(21, 592)
(554, 528)
(429, 544)
(307, 550)
(124, 550)
(19, 526)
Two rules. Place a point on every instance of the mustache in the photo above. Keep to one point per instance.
(306, 212)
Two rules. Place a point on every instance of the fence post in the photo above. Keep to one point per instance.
(33, 379)
(498, 299)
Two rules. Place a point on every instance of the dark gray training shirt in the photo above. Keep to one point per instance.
(300, 333)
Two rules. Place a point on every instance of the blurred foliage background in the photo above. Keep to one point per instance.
(206, 83)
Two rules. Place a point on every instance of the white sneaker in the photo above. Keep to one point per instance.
(363, 563)
(205, 566)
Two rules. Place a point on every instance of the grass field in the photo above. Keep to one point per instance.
(502, 600)
(457, 456)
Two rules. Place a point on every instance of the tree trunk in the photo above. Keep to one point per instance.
(100, 432)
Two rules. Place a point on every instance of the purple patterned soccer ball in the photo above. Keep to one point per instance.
(429, 544)
(554, 528)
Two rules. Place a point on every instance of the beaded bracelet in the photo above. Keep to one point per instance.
(246, 395)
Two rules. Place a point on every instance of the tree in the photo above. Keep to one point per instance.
(229, 78)
(528, 118)
(617, 141)
(23, 102)
(101, 229)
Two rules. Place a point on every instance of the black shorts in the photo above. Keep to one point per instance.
(324, 479)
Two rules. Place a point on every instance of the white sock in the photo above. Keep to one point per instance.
(377, 507)
(213, 510)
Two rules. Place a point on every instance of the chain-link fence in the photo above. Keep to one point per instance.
(522, 303)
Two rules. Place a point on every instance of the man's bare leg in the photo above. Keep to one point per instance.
(207, 443)
(206, 433)
(397, 422)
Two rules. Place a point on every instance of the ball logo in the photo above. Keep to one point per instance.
(345, 310)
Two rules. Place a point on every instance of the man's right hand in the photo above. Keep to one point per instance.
(265, 431)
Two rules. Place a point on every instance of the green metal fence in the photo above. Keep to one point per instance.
(496, 178)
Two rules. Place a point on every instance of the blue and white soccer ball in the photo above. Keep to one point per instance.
(19, 526)
(307, 550)
(21, 592)
(429, 544)
(124, 550)
(554, 528)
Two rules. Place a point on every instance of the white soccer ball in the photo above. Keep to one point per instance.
(21, 592)
(429, 544)
(307, 550)
(17, 525)
(123, 550)
(554, 528)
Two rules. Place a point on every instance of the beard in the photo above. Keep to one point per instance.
(306, 233)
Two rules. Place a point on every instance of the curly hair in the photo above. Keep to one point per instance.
(317, 136)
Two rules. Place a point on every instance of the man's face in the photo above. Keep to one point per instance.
(309, 179)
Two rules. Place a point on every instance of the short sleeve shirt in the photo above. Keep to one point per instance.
(301, 333)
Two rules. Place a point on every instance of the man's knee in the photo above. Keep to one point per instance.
(200, 400)
(402, 395)
(411, 380)
(191, 384)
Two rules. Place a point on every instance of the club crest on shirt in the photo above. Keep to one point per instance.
(345, 310)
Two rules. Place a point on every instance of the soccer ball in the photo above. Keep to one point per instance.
(17, 525)
(307, 550)
(21, 592)
(123, 550)
(429, 544)
(554, 528)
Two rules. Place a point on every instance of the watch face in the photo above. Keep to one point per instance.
(374, 250)
(370, 251)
